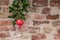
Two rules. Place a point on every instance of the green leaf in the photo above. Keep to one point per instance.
(23, 18)
(25, 10)
(9, 17)
(14, 22)
(15, 5)
(14, 14)
(11, 9)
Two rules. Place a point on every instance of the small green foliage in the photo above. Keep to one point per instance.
(17, 8)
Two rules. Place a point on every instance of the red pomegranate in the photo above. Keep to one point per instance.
(19, 22)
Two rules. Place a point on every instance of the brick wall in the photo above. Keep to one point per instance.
(42, 23)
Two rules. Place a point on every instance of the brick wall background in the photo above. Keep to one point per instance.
(42, 20)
